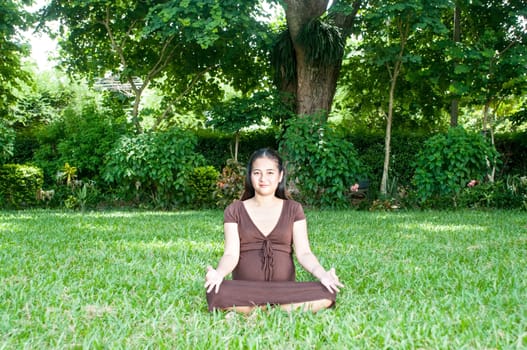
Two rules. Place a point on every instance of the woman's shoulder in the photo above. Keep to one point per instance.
(292, 203)
(231, 212)
(295, 209)
(235, 205)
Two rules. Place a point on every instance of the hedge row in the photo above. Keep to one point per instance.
(20, 185)
(215, 149)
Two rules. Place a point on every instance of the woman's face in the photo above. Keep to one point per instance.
(265, 176)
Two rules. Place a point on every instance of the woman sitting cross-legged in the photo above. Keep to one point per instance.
(261, 231)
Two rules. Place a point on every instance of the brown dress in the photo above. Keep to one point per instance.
(265, 273)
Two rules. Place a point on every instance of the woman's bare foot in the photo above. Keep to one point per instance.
(241, 309)
(314, 306)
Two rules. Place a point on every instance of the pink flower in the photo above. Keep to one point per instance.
(472, 183)
(355, 188)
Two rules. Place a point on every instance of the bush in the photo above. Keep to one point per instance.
(81, 131)
(447, 163)
(75, 193)
(19, 185)
(370, 152)
(231, 183)
(46, 155)
(7, 138)
(155, 167)
(25, 145)
(510, 193)
(214, 146)
(370, 149)
(513, 149)
(322, 164)
(90, 134)
(202, 184)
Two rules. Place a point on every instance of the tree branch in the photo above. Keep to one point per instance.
(164, 59)
(116, 47)
(182, 94)
(345, 22)
(299, 12)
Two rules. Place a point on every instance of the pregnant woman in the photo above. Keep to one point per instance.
(262, 230)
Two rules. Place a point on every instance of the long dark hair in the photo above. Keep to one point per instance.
(248, 191)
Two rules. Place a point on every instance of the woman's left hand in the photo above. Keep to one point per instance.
(212, 280)
(331, 281)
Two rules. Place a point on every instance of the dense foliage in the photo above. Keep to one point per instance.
(186, 49)
(448, 163)
(231, 183)
(60, 124)
(218, 147)
(7, 138)
(484, 66)
(19, 185)
(154, 166)
(322, 164)
(507, 193)
(13, 18)
(201, 184)
(81, 133)
(513, 151)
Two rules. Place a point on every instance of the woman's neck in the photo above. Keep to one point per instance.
(265, 201)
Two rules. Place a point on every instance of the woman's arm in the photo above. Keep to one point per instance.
(309, 261)
(229, 260)
(305, 257)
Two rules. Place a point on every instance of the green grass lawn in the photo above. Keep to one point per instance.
(134, 280)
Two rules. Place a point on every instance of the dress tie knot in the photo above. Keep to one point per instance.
(267, 259)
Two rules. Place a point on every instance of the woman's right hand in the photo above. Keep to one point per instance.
(213, 280)
(331, 281)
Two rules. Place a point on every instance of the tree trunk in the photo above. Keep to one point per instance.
(236, 145)
(404, 32)
(315, 84)
(135, 110)
(454, 105)
(488, 127)
(388, 136)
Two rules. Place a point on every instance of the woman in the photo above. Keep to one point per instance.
(260, 232)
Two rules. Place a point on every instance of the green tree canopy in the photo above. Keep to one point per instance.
(186, 48)
(13, 19)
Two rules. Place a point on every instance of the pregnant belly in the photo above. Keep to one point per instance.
(254, 266)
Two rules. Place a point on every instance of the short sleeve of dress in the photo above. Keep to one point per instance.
(231, 213)
(298, 211)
